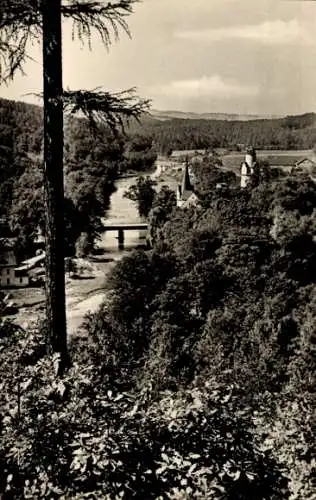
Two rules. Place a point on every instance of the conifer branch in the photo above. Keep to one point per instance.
(112, 109)
(21, 22)
(107, 19)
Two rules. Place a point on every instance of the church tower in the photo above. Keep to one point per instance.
(248, 167)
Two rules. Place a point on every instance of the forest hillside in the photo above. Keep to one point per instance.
(196, 378)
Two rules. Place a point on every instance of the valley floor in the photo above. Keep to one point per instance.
(84, 294)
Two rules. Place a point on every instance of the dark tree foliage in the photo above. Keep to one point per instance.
(163, 206)
(143, 194)
(197, 376)
(241, 263)
(236, 305)
(139, 155)
(296, 133)
(21, 22)
(209, 176)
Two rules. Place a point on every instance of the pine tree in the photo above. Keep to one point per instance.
(22, 21)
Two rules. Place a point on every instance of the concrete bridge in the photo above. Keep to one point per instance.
(121, 227)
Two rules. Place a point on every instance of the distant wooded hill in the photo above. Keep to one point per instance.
(21, 131)
(290, 132)
(169, 115)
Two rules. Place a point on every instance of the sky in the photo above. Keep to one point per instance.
(204, 56)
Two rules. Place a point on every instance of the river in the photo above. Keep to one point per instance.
(85, 295)
(123, 210)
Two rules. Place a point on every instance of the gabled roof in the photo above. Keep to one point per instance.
(186, 195)
(7, 243)
(191, 200)
(29, 263)
(304, 160)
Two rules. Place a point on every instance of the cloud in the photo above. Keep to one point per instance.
(213, 86)
(270, 32)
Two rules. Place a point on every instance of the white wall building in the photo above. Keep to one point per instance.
(10, 275)
(247, 168)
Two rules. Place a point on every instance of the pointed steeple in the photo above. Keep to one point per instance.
(186, 183)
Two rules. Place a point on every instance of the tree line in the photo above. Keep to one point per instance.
(293, 132)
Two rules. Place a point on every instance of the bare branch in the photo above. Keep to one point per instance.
(112, 109)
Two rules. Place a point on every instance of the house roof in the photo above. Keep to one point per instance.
(186, 152)
(304, 160)
(185, 195)
(192, 199)
(29, 263)
(7, 244)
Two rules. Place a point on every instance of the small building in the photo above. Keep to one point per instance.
(305, 163)
(37, 260)
(186, 154)
(10, 275)
(39, 240)
(185, 192)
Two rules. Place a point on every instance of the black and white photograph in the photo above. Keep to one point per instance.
(157, 249)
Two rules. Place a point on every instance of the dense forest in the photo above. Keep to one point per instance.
(197, 376)
(292, 132)
(93, 161)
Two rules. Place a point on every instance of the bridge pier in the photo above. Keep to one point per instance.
(121, 227)
(121, 238)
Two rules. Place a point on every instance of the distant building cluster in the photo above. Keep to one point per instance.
(249, 169)
(185, 192)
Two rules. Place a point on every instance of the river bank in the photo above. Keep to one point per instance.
(86, 292)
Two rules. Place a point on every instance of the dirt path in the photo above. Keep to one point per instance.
(77, 310)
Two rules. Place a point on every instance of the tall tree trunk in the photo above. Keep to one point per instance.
(53, 180)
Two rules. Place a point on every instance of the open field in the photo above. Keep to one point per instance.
(276, 158)
(232, 160)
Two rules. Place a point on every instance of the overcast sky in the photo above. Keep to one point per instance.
(235, 56)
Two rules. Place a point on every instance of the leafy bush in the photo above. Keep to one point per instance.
(75, 437)
(197, 376)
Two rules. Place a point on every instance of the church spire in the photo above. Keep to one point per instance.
(186, 183)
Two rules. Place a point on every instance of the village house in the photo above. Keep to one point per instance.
(307, 164)
(10, 274)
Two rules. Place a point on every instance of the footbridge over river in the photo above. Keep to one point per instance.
(122, 227)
